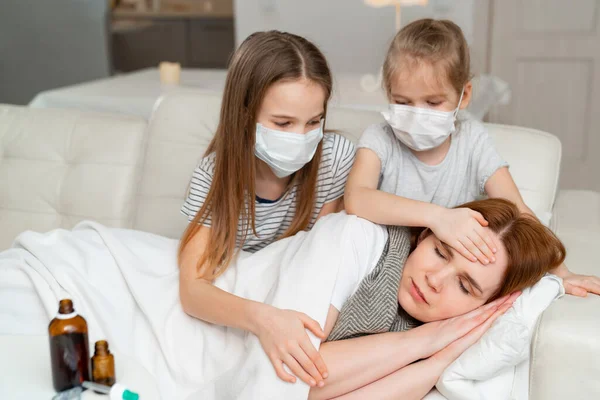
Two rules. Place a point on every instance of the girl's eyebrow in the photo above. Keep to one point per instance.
(282, 116)
(319, 116)
(442, 95)
(432, 95)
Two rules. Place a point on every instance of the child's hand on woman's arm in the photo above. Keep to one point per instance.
(282, 333)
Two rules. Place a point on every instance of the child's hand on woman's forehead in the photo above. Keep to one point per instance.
(465, 231)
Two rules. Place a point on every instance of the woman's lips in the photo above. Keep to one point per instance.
(416, 293)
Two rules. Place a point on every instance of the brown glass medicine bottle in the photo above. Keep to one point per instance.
(103, 364)
(69, 348)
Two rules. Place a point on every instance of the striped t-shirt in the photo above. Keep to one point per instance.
(273, 218)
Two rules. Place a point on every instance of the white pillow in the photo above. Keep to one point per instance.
(496, 367)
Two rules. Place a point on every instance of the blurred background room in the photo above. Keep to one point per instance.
(536, 62)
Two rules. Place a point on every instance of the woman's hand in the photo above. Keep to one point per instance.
(445, 332)
(283, 336)
(463, 229)
(454, 350)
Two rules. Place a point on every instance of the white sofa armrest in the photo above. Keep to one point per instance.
(577, 210)
(565, 354)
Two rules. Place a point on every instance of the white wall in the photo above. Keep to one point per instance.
(353, 36)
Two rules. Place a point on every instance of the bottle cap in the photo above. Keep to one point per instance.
(120, 392)
(128, 395)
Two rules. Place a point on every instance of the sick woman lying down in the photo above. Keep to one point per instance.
(394, 327)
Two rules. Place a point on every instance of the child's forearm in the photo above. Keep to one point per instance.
(388, 209)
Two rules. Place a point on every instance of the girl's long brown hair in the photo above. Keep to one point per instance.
(263, 59)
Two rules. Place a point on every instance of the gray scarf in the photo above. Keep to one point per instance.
(374, 307)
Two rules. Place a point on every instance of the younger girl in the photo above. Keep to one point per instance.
(268, 173)
(411, 170)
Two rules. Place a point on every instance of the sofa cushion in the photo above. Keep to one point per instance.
(58, 167)
(534, 158)
(179, 131)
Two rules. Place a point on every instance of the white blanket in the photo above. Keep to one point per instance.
(125, 283)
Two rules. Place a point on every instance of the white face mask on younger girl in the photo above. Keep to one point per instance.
(286, 152)
(421, 128)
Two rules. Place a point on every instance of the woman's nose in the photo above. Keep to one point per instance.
(436, 279)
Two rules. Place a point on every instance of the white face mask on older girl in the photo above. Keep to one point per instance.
(286, 152)
(421, 128)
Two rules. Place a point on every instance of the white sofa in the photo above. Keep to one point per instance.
(58, 167)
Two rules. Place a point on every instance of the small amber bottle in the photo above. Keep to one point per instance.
(69, 348)
(103, 364)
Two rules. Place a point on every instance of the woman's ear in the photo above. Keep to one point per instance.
(466, 100)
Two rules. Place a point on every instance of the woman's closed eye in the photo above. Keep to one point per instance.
(315, 122)
(439, 253)
(463, 287)
(434, 103)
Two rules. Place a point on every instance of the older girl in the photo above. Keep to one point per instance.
(269, 172)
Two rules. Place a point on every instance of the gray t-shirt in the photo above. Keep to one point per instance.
(458, 179)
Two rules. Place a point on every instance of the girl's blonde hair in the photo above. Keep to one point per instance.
(262, 60)
(440, 43)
